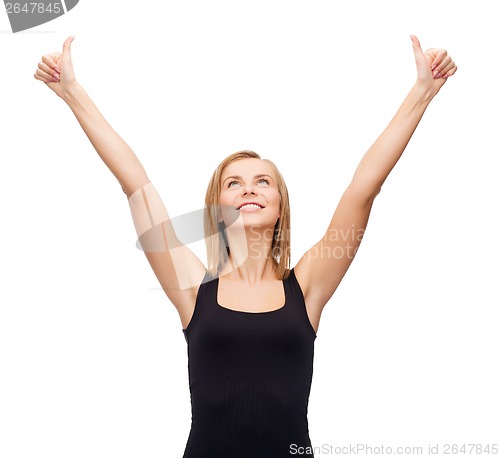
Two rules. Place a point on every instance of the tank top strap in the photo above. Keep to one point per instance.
(294, 293)
(208, 290)
(207, 295)
(296, 301)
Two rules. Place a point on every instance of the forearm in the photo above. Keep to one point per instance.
(112, 149)
(383, 155)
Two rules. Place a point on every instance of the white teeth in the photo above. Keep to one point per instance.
(250, 205)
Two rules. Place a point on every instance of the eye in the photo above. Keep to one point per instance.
(230, 184)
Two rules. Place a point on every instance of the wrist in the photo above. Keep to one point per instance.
(72, 92)
(424, 92)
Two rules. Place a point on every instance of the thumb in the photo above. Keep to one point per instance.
(66, 54)
(419, 55)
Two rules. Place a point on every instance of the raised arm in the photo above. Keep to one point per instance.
(322, 267)
(178, 270)
(433, 69)
(56, 70)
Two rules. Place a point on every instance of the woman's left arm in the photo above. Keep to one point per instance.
(322, 267)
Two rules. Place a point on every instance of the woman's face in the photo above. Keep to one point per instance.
(245, 181)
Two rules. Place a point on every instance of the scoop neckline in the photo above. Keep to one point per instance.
(246, 312)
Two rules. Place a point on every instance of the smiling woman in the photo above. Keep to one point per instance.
(249, 319)
(244, 178)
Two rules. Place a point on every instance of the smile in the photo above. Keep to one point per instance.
(249, 206)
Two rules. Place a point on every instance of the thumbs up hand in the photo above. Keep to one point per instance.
(56, 70)
(434, 66)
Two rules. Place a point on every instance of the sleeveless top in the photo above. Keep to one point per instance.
(250, 376)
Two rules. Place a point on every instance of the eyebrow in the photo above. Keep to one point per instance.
(256, 176)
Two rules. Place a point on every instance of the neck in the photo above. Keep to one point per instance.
(250, 254)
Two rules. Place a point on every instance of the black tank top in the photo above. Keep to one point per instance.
(249, 377)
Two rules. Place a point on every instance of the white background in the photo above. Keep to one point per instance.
(92, 357)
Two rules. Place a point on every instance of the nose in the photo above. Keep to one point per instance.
(248, 189)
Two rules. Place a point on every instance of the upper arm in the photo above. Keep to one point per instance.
(322, 267)
(177, 268)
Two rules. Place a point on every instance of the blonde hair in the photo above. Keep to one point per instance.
(215, 237)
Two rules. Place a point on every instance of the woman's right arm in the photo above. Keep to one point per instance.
(112, 149)
(56, 70)
(177, 268)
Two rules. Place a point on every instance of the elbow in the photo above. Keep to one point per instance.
(126, 190)
(376, 193)
(133, 184)
(370, 198)
(366, 194)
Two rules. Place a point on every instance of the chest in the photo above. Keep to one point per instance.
(259, 298)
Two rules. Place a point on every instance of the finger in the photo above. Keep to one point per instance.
(419, 55)
(44, 80)
(44, 67)
(440, 68)
(438, 59)
(51, 60)
(446, 69)
(45, 77)
(66, 54)
(451, 72)
(432, 52)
